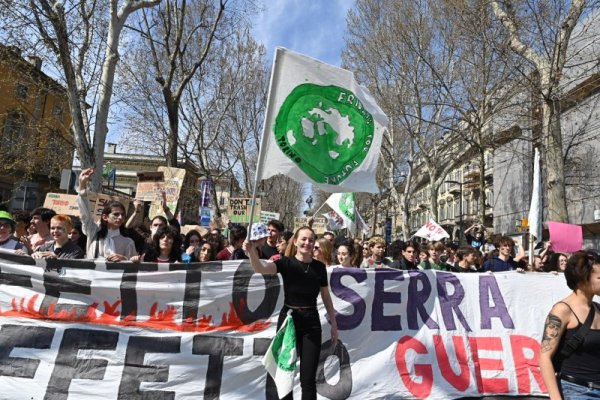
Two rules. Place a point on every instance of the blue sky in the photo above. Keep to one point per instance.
(312, 27)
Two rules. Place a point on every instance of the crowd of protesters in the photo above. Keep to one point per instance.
(44, 234)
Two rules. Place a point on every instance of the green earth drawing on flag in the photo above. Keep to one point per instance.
(347, 205)
(325, 130)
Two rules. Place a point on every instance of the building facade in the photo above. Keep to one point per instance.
(35, 131)
(509, 163)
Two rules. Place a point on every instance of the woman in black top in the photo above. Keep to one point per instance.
(304, 278)
(580, 372)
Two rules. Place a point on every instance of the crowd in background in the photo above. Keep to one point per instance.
(43, 234)
(116, 237)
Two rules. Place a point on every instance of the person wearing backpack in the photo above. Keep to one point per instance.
(570, 349)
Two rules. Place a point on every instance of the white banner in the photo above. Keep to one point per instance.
(84, 330)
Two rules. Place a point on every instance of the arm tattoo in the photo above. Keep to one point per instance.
(552, 328)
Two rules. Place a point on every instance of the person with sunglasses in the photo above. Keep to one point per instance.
(323, 251)
(106, 240)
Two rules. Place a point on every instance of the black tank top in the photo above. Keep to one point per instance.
(584, 363)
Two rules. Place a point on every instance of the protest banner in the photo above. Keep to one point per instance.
(149, 185)
(173, 182)
(238, 210)
(266, 216)
(78, 329)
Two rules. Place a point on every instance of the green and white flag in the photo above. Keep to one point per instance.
(280, 358)
(321, 126)
(343, 205)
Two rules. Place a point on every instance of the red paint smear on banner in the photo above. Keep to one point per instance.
(157, 319)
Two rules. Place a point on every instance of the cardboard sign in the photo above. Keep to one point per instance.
(319, 225)
(266, 216)
(172, 186)
(101, 200)
(150, 185)
(67, 203)
(62, 203)
(239, 209)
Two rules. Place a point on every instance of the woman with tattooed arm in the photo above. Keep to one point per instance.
(579, 375)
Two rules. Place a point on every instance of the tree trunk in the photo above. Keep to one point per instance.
(554, 161)
(173, 142)
(482, 196)
(433, 193)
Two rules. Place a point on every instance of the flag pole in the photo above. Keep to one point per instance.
(263, 140)
(531, 249)
(319, 209)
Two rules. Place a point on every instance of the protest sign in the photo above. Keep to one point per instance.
(62, 203)
(266, 216)
(319, 224)
(149, 185)
(239, 210)
(432, 231)
(565, 238)
(173, 182)
(205, 216)
(101, 200)
(299, 222)
(189, 330)
(67, 203)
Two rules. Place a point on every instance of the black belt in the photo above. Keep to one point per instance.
(300, 307)
(580, 382)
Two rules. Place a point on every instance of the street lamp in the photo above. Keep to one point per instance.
(460, 210)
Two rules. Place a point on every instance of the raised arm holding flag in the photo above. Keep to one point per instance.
(320, 127)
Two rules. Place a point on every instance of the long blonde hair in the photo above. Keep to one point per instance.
(325, 250)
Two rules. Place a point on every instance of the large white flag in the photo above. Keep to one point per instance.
(321, 126)
(280, 358)
(432, 231)
(535, 211)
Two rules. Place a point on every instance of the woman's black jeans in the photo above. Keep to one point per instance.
(308, 345)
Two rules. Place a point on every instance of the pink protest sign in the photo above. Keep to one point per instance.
(565, 238)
